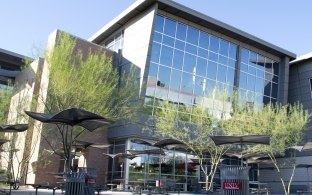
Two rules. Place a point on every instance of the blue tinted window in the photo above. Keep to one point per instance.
(275, 79)
(222, 73)
(203, 40)
(213, 56)
(224, 47)
(159, 23)
(163, 77)
(187, 83)
(192, 35)
(168, 41)
(175, 80)
(230, 76)
(244, 67)
(181, 31)
(199, 88)
(170, 27)
(253, 58)
(178, 59)
(251, 83)
(223, 60)
(259, 85)
(245, 56)
(155, 52)
(243, 80)
(210, 86)
(189, 63)
(202, 53)
(212, 70)
(191, 49)
(233, 51)
(268, 65)
(201, 67)
(166, 55)
(179, 44)
(232, 63)
(157, 37)
(260, 73)
(252, 70)
(153, 69)
(214, 44)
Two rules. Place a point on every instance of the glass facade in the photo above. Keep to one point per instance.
(187, 66)
(115, 42)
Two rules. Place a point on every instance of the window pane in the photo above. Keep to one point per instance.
(245, 56)
(213, 56)
(268, 65)
(200, 85)
(155, 52)
(251, 83)
(163, 77)
(267, 88)
(222, 73)
(244, 67)
(152, 79)
(192, 35)
(180, 44)
(274, 90)
(168, 41)
(201, 67)
(170, 27)
(243, 80)
(275, 68)
(181, 31)
(189, 63)
(175, 85)
(230, 76)
(260, 73)
(178, 59)
(210, 86)
(212, 70)
(214, 44)
(232, 63)
(223, 60)
(204, 40)
(233, 51)
(224, 47)
(203, 53)
(157, 37)
(252, 70)
(191, 49)
(153, 68)
(166, 56)
(259, 85)
(187, 85)
(159, 23)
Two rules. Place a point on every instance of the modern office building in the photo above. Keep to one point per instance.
(184, 56)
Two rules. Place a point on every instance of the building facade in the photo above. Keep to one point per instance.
(185, 57)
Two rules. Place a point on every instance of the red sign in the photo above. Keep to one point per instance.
(231, 185)
(90, 181)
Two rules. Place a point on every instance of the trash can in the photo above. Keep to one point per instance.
(75, 183)
(90, 180)
(234, 180)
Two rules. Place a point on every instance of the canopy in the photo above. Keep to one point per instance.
(153, 151)
(13, 128)
(72, 116)
(170, 144)
(244, 139)
(121, 155)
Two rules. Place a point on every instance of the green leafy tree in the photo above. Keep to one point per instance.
(86, 80)
(285, 124)
(193, 126)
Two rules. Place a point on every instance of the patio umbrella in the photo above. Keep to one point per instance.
(13, 128)
(71, 117)
(244, 139)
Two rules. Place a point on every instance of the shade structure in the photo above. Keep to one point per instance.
(152, 151)
(121, 155)
(13, 128)
(170, 144)
(244, 139)
(72, 117)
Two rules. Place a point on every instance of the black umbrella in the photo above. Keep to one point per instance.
(13, 128)
(244, 139)
(72, 117)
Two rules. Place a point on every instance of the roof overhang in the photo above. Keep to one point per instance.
(191, 15)
(10, 60)
(302, 58)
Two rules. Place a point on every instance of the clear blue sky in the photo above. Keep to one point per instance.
(25, 25)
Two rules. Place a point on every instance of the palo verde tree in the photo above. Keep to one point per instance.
(193, 126)
(86, 80)
(284, 124)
